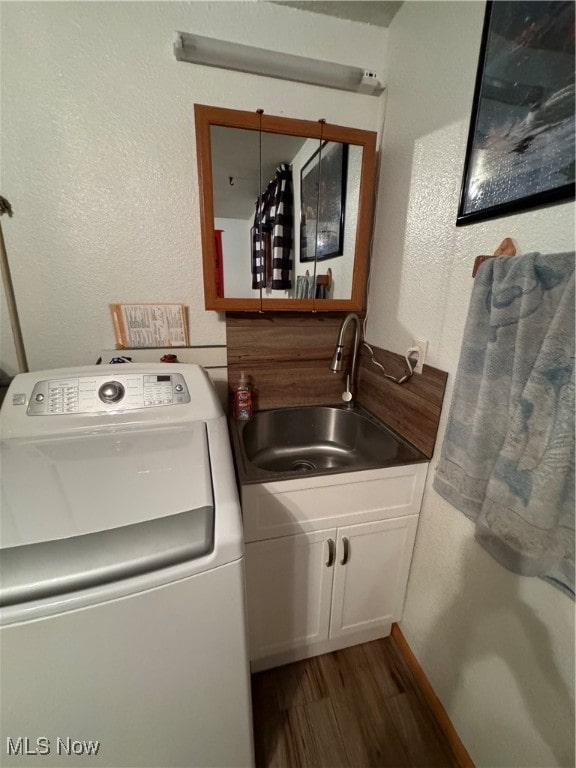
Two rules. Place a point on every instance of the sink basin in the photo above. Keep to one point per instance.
(316, 440)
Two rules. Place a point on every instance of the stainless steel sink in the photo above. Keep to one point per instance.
(315, 440)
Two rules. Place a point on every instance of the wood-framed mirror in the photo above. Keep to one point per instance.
(286, 211)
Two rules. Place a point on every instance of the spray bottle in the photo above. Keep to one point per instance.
(242, 408)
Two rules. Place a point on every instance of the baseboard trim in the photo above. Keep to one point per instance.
(318, 649)
(444, 723)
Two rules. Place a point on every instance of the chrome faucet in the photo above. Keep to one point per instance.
(336, 364)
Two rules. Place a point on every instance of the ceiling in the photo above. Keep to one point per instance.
(379, 13)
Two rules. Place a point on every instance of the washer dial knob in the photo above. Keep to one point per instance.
(111, 392)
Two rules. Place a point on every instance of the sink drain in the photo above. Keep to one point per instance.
(303, 466)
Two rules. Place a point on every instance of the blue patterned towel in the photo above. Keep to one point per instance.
(507, 460)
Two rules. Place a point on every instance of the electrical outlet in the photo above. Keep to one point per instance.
(422, 346)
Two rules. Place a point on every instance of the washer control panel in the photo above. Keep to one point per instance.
(91, 394)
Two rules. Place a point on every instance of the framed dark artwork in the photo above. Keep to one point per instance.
(520, 151)
(323, 202)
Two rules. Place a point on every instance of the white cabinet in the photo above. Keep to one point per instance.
(289, 588)
(327, 560)
(370, 578)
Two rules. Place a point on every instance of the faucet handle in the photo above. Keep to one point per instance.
(347, 395)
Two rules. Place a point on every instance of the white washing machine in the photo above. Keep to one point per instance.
(122, 621)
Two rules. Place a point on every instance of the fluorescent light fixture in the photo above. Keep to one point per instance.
(197, 49)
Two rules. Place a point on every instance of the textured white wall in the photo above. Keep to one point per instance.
(498, 649)
(98, 154)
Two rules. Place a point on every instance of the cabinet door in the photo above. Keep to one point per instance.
(371, 572)
(288, 587)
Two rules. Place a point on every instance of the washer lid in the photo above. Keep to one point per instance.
(63, 487)
(57, 567)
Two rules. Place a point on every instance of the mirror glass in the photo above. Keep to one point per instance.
(285, 214)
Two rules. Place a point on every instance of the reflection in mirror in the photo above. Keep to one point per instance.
(267, 237)
(329, 196)
(237, 213)
(236, 185)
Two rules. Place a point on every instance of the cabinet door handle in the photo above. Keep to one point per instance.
(331, 553)
(346, 553)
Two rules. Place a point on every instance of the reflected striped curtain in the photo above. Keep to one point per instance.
(272, 234)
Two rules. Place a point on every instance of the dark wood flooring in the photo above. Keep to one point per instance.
(357, 707)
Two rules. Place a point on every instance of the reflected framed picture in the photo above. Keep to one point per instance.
(323, 202)
(520, 151)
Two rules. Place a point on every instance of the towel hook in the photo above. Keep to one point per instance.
(506, 248)
(325, 279)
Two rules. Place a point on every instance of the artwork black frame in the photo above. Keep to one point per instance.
(520, 150)
(323, 181)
